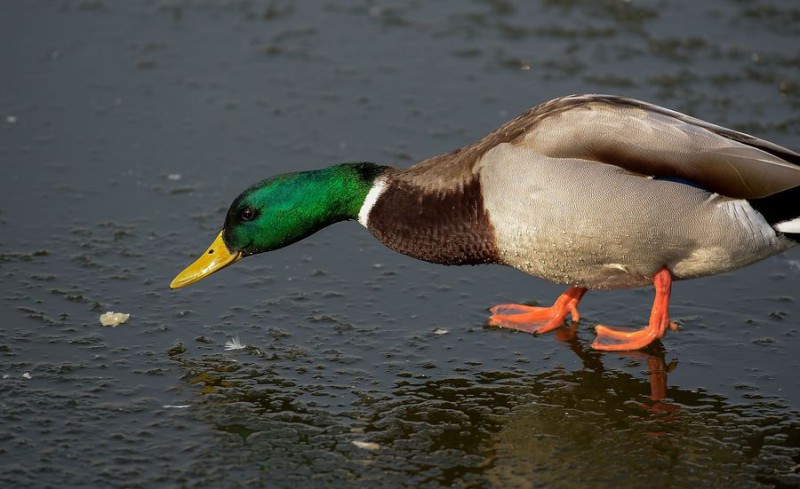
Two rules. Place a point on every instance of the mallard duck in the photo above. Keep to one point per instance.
(591, 191)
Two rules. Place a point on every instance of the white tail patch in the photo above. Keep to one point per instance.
(791, 226)
(369, 201)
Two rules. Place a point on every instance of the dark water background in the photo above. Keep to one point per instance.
(128, 127)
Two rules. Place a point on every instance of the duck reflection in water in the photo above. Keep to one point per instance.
(595, 425)
(654, 357)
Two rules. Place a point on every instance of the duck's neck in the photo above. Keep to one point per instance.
(441, 224)
(343, 188)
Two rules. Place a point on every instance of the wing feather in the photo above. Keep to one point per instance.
(652, 141)
(638, 137)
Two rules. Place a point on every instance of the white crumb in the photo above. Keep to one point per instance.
(234, 344)
(112, 319)
(366, 445)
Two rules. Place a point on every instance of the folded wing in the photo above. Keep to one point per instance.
(652, 141)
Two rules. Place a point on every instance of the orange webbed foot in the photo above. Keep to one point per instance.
(538, 320)
(620, 339)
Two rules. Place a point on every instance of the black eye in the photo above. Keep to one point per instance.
(248, 214)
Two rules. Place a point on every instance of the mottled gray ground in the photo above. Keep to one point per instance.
(127, 127)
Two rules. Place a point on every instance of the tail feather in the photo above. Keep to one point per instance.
(789, 227)
(782, 211)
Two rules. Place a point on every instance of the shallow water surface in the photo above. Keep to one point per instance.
(126, 129)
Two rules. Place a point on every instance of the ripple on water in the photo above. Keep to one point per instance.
(486, 428)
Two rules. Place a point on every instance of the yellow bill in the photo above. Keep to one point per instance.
(216, 257)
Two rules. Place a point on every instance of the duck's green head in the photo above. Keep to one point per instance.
(282, 210)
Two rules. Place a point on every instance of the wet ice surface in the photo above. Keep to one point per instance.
(126, 130)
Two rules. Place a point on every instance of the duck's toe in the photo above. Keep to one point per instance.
(538, 320)
(622, 339)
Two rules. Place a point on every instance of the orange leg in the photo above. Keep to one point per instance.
(538, 320)
(616, 339)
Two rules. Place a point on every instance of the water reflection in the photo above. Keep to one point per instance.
(653, 356)
(592, 426)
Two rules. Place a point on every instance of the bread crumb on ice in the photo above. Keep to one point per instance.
(366, 445)
(112, 319)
